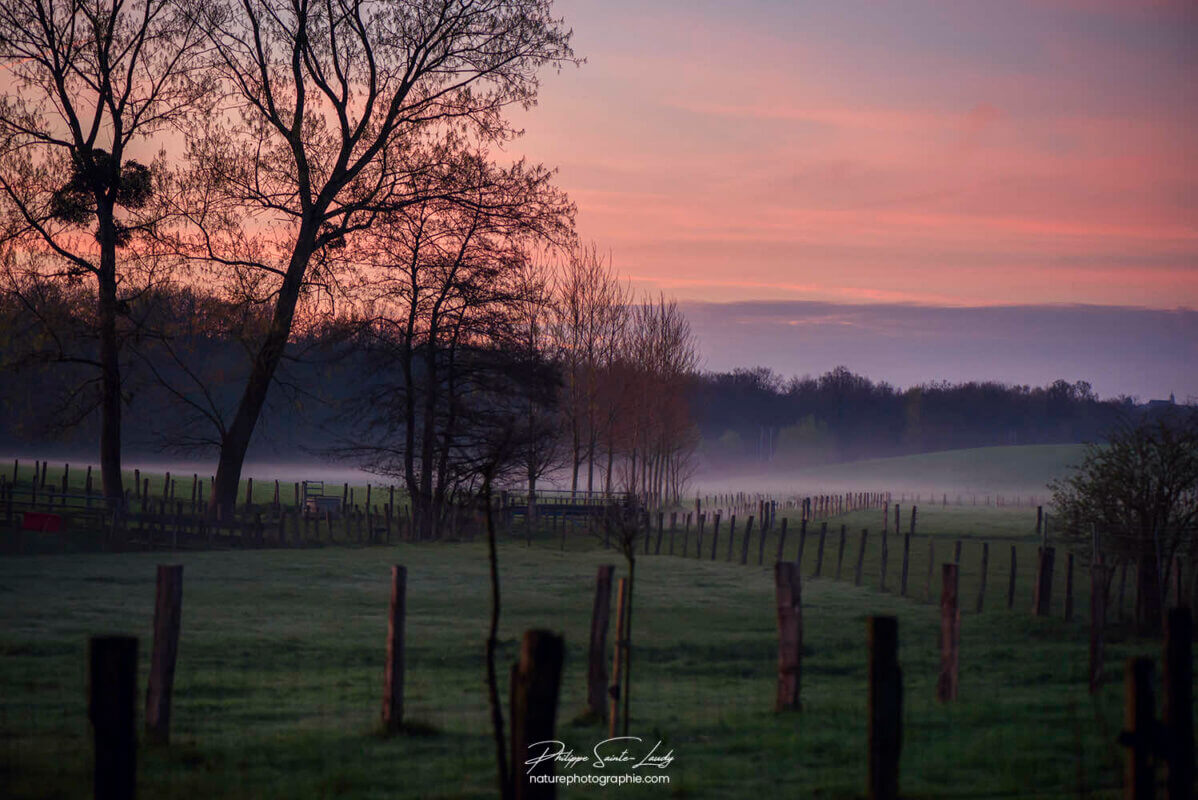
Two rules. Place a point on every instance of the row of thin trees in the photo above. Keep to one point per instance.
(517, 369)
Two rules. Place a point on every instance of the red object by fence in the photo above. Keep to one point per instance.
(40, 521)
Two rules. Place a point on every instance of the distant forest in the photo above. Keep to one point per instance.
(748, 418)
(755, 416)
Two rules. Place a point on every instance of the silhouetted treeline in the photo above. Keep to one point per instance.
(180, 378)
(756, 416)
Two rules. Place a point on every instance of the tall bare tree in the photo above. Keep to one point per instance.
(446, 289)
(90, 84)
(338, 104)
(587, 329)
(658, 432)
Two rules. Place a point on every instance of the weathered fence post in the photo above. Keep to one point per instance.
(761, 544)
(840, 549)
(985, 571)
(781, 539)
(715, 537)
(168, 614)
(906, 563)
(1140, 733)
(1178, 716)
(788, 594)
(112, 675)
(1042, 596)
(885, 558)
(744, 550)
(802, 542)
(950, 634)
(885, 709)
(393, 672)
(596, 663)
(536, 681)
(860, 558)
(617, 668)
(957, 552)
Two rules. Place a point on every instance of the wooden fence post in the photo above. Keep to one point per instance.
(1098, 581)
(596, 656)
(840, 549)
(1042, 596)
(761, 545)
(781, 539)
(885, 708)
(906, 563)
(860, 558)
(617, 669)
(788, 594)
(802, 542)
(393, 672)
(744, 550)
(536, 681)
(112, 675)
(885, 558)
(950, 634)
(1178, 716)
(168, 614)
(1140, 733)
(957, 552)
(715, 537)
(985, 571)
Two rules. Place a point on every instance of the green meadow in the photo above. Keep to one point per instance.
(279, 682)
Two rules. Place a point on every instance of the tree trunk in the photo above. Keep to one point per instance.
(236, 439)
(110, 366)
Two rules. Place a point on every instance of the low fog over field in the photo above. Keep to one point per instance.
(988, 470)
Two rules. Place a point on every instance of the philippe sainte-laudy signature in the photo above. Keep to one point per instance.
(609, 751)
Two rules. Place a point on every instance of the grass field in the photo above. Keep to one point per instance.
(280, 672)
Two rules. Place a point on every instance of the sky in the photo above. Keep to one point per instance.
(943, 154)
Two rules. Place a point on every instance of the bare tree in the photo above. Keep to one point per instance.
(445, 289)
(90, 83)
(660, 437)
(587, 330)
(341, 108)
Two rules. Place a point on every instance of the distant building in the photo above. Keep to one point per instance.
(1161, 405)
